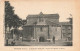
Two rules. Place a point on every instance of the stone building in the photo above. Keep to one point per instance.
(66, 30)
(43, 28)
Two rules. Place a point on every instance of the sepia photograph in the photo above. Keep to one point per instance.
(29, 23)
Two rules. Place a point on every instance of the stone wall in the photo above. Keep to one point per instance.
(41, 33)
(67, 32)
(55, 31)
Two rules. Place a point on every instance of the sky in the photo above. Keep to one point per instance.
(24, 8)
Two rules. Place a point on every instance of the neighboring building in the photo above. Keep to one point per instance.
(43, 28)
(66, 30)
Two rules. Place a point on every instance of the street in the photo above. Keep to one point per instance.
(57, 43)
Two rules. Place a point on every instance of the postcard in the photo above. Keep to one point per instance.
(44, 25)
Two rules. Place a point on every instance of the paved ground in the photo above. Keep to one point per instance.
(57, 43)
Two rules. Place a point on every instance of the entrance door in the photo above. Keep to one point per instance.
(41, 39)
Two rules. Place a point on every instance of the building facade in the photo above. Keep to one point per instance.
(43, 28)
(66, 30)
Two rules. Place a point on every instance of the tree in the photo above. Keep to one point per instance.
(8, 13)
(24, 22)
(11, 19)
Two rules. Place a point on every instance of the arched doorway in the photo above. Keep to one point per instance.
(41, 39)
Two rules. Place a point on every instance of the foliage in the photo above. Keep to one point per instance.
(11, 19)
